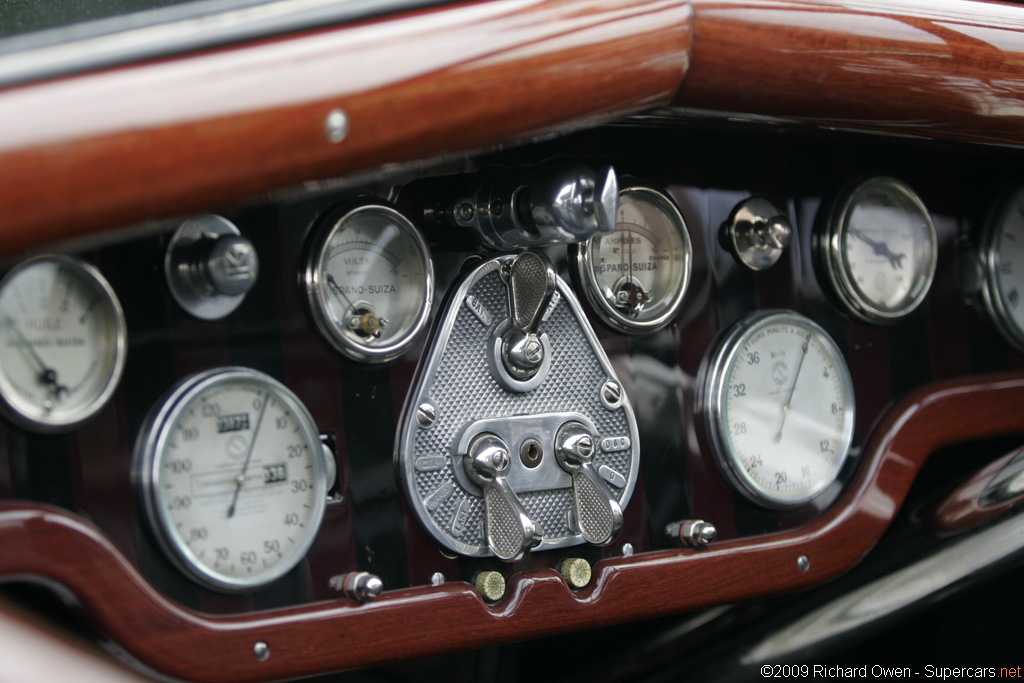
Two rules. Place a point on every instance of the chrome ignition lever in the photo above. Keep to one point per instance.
(531, 286)
(598, 514)
(510, 531)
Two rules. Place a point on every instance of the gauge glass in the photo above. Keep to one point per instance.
(370, 283)
(636, 277)
(779, 409)
(62, 345)
(880, 250)
(232, 478)
(1003, 255)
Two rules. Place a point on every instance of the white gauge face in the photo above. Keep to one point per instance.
(62, 342)
(780, 408)
(1003, 254)
(370, 283)
(881, 250)
(233, 478)
(636, 277)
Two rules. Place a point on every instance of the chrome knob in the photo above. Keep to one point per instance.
(598, 514)
(210, 267)
(531, 285)
(510, 531)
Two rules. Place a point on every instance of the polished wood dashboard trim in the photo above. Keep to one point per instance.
(952, 71)
(91, 152)
(57, 548)
(964, 507)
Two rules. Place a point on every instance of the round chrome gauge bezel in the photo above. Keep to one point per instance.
(715, 392)
(586, 260)
(317, 292)
(151, 450)
(834, 257)
(994, 292)
(23, 412)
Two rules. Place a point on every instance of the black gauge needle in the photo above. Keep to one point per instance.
(47, 375)
(880, 249)
(789, 399)
(240, 479)
(333, 285)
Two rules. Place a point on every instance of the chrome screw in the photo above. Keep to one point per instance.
(612, 392)
(426, 414)
(803, 563)
(336, 126)
(261, 650)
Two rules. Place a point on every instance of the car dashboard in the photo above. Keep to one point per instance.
(552, 316)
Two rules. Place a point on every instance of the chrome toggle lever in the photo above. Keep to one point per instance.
(598, 514)
(531, 285)
(510, 531)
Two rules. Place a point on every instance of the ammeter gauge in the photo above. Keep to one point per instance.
(1002, 253)
(232, 478)
(878, 250)
(635, 278)
(778, 408)
(370, 282)
(62, 342)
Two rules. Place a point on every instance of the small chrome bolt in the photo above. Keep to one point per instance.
(361, 586)
(803, 563)
(490, 584)
(612, 392)
(436, 579)
(576, 571)
(695, 533)
(426, 414)
(261, 650)
(336, 126)
(465, 211)
(627, 550)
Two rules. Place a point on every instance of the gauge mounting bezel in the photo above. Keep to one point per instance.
(991, 289)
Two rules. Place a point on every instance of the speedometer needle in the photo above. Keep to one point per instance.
(789, 399)
(240, 479)
(880, 249)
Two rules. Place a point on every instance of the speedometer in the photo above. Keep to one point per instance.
(779, 408)
(232, 477)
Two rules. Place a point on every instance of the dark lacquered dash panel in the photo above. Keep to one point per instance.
(367, 526)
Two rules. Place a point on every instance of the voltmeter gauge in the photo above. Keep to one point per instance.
(635, 278)
(62, 342)
(778, 408)
(369, 280)
(1002, 252)
(879, 250)
(232, 478)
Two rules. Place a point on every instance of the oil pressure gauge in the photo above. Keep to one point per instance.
(635, 278)
(62, 342)
(370, 282)
(878, 250)
(232, 478)
(1002, 253)
(778, 408)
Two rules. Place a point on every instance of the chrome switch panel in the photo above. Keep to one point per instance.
(499, 464)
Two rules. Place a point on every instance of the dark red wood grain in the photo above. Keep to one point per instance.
(58, 548)
(962, 509)
(96, 151)
(948, 71)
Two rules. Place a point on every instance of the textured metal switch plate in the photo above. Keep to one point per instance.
(458, 380)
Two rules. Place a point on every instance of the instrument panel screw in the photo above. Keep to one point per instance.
(436, 579)
(465, 211)
(336, 126)
(261, 650)
(612, 392)
(426, 414)
(627, 550)
(803, 563)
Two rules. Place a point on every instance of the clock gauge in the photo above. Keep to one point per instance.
(1002, 253)
(778, 408)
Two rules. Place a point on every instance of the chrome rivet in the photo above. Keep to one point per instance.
(436, 579)
(336, 126)
(426, 414)
(627, 550)
(261, 650)
(803, 563)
